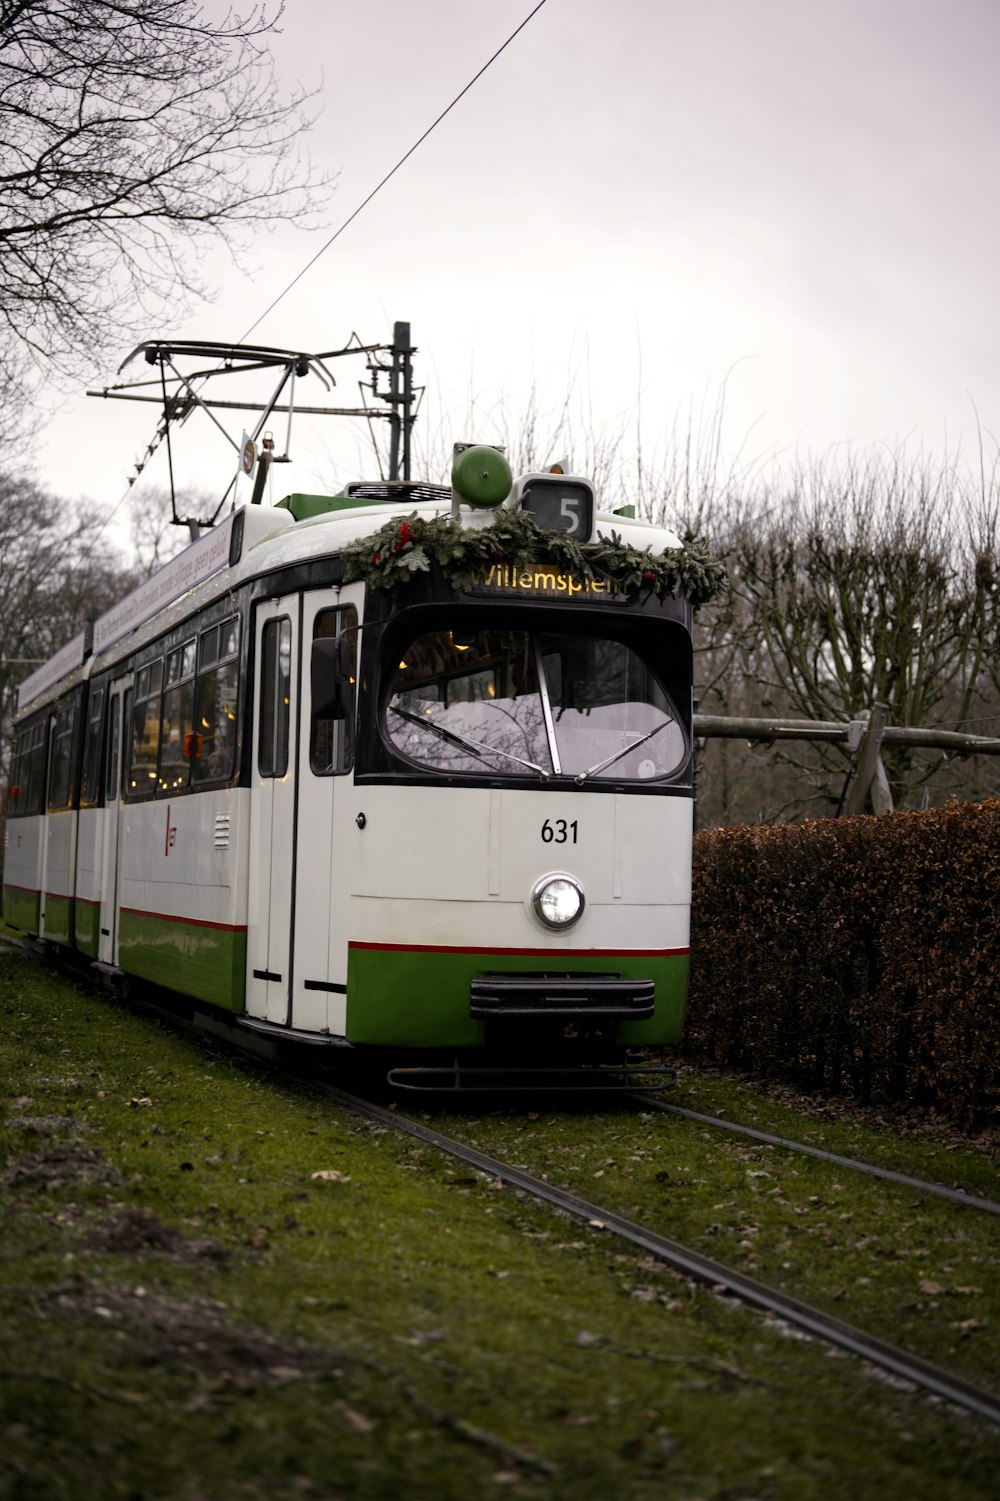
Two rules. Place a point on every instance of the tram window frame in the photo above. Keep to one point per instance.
(37, 756)
(171, 692)
(27, 774)
(177, 734)
(275, 706)
(113, 771)
(63, 756)
(90, 781)
(17, 788)
(332, 741)
(548, 640)
(146, 713)
(216, 694)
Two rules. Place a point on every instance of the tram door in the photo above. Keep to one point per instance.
(326, 823)
(107, 945)
(272, 815)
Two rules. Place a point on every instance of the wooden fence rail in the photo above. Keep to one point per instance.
(864, 739)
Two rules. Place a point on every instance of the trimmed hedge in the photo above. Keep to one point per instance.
(855, 954)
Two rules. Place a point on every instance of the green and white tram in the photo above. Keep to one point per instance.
(406, 769)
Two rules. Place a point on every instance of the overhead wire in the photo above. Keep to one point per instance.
(390, 174)
(347, 222)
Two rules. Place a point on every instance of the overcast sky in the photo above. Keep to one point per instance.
(793, 199)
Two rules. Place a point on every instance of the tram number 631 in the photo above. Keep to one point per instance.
(558, 831)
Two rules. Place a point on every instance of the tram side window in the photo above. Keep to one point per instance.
(275, 695)
(112, 777)
(145, 731)
(91, 785)
(63, 739)
(36, 768)
(27, 774)
(184, 719)
(510, 700)
(17, 796)
(331, 742)
(214, 749)
(177, 743)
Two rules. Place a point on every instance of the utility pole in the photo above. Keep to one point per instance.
(400, 399)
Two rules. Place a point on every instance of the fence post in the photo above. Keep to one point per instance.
(870, 778)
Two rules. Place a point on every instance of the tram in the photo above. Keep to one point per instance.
(406, 769)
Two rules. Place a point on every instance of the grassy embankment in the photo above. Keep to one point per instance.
(188, 1311)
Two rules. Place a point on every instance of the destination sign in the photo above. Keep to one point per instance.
(64, 661)
(541, 580)
(195, 564)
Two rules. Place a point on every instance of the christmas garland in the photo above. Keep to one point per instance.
(406, 546)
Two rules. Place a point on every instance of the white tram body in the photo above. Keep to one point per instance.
(462, 821)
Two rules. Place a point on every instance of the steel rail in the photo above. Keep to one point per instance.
(954, 1195)
(899, 1363)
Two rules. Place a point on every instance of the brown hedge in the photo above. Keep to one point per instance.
(855, 954)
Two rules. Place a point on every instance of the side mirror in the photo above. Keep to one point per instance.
(330, 677)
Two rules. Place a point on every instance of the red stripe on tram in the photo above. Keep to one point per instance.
(191, 922)
(462, 948)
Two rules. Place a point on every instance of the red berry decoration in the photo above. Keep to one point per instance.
(648, 576)
(405, 534)
(377, 559)
(497, 555)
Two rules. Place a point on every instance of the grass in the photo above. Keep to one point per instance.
(918, 1271)
(187, 1311)
(910, 1142)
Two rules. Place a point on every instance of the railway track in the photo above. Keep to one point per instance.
(814, 1322)
(855, 1164)
(900, 1364)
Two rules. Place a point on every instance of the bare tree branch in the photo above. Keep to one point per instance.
(131, 135)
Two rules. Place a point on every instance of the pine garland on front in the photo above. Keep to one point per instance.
(406, 546)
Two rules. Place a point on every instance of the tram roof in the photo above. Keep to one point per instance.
(270, 538)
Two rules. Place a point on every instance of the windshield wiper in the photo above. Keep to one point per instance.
(474, 746)
(610, 760)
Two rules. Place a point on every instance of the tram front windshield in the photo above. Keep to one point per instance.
(533, 703)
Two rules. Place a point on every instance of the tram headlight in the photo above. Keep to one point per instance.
(557, 900)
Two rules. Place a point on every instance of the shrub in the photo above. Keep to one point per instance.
(857, 954)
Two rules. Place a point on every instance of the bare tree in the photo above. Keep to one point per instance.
(131, 131)
(156, 529)
(868, 579)
(58, 571)
(860, 578)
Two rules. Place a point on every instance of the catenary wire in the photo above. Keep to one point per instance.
(378, 188)
(336, 235)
